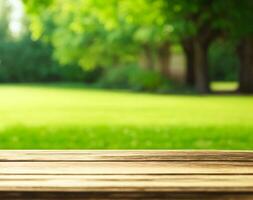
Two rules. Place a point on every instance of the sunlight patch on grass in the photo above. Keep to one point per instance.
(224, 86)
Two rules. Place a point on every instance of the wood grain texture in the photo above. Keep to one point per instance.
(174, 167)
(126, 175)
(125, 155)
(124, 196)
(126, 183)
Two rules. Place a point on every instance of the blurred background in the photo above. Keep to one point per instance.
(143, 74)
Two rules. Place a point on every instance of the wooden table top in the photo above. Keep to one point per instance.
(126, 174)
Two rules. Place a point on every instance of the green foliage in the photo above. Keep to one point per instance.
(24, 60)
(116, 77)
(4, 20)
(134, 78)
(224, 64)
(236, 18)
(100, 33)
(146, 80)
(33, 6)
(113, 34)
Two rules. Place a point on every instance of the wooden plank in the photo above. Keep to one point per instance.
(126, 183)
(126, 156)
(173, 167)
(123, 196)
(209, 175)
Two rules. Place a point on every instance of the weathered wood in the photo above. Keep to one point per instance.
(115, 155)
(126, 175)
(124, 196)
(173, 167)
(126, 183)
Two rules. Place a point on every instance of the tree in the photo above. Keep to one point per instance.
(236, 23)
(243, 30)
(89, 32)
(200, 22)
(112, 33)
(153, 33)
(189, 53)
(195, 24)
(245, 52)
(105, 33)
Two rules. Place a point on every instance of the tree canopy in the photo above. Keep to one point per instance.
(97, 33)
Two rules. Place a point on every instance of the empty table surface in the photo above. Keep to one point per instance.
(126, 174)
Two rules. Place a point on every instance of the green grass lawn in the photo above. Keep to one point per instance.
(74, 117)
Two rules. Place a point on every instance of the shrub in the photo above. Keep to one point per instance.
(24, 60)
(145, 80)
(116, 77)
(134, 78)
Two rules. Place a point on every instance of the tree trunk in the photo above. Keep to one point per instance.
(201, 66)
(146, 58)
(189, 54)
(164, 59)
(245, 52)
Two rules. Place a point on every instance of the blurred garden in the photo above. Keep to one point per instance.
(143, 74)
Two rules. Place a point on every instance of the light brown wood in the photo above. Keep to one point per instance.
(174, 167)
(124, 195)
(125, 155)
(126, 183)
(126, 175)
